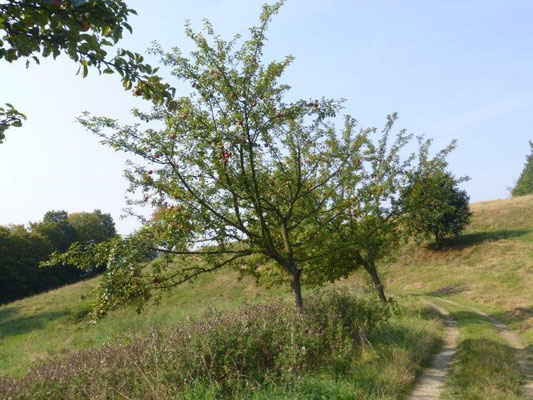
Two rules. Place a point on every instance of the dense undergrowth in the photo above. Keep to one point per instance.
(343, 343)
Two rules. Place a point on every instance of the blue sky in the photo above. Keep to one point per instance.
(452, 69)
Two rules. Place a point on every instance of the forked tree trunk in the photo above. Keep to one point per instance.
(297, 290)
(371, 269)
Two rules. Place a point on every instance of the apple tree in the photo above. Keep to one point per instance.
(373, 212)
(239, 175)
(83, 30)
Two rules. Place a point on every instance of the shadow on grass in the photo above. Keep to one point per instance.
(471, 239)
(483, 368)
(410, 340)
(12, 325)
(517, 315)
(447, 290)
(7, 312)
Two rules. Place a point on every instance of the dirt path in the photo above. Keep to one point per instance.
(430, 384)
(523, 355)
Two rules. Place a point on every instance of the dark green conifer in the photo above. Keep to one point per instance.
(525, 181)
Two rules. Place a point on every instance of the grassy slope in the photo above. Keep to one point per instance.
(34, 327)
(490, 266)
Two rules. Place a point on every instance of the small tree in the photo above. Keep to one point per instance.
(525, 181)
(368, 229)
(436, 207)
(239, 175)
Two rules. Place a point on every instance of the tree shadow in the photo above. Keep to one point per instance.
(12, 325)
(447, 290)
(7, 312)
(501, 376)
(517, 315)
(471, 239)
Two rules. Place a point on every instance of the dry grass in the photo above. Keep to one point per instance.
(490, 265)
(49, 323)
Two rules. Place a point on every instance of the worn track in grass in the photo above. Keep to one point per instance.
(523, 355)
(431, 383)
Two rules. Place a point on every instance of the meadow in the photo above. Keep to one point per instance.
(487, 269)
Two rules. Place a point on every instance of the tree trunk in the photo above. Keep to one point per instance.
(297, 290)
(371, 269)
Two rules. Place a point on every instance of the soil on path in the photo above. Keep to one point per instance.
(524, 355)
(430, 384)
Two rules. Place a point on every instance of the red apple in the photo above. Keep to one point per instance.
(84, 26)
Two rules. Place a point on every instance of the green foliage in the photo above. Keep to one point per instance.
(370, 223)
(524, 185)
(85, 31)
(57, 229)
(437, 208)
(92, 227)
(229, 351)
(9, 117)
(239, 176)
(367, 230)
(21, 251)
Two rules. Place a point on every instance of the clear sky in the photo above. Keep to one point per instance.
(452, 69)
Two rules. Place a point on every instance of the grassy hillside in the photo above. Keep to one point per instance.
(45, 324)
(490, 266)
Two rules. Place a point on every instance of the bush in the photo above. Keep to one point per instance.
(223, 351)
(436, 207)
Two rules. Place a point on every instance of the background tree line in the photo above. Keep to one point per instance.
(23, 248)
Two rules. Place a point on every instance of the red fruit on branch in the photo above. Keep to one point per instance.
(150, 172)
(84, 26)
(173, 136)
(279, 115)
(183, 117)
(137, 91)
(240, 122)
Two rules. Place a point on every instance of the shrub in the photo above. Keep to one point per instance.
(436, 207)
(225, 351)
